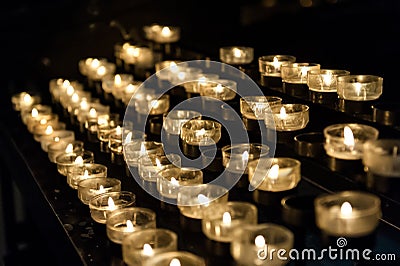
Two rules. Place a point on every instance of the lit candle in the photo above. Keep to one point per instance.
(139, 147)
(270, 65)
(359, 87)
(80, 172)
(296, 73)
(381, 157)
(324, 80)
(66, 160)
(221, 89)
(150, 164)
(60, 147)
(236, 55)
(256, 107)
(348, 213)
(55, 136)
(201, 132)
(124, 221)
(174, 119)
(88, 188)
(287, 117)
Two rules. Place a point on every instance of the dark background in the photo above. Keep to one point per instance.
(47, 38)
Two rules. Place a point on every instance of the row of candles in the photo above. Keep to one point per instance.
(355, 213)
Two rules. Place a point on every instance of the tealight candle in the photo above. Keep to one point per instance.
(348, 213)
(296, 73)
(152, 104)
(167, 67)
(140, 245)
(221, 89)
(254, 244)
(381, 157)
(201, 132)
(139, 147)
(107, 124)
(270, 65)
(288, 117)
(274, 174)
(345, 141)
(79, 172)
(324, 80)
(166, 34)
(256, 107)
(235, 157)
(35, 112)
(41, 119)
(60, 147)
(236, 55)
(310, 144)
(56, 136)
(150, 164)
(47, 128)
(192, 200)
(194, 87)
(128, 92)
(116, 82)
(103, 204)
(124, 221)
(88, 188)
(90, 64)
(24, 100)
(175, 258)
(181, 74)
(220, 221)
(104, 69)
(66, 160)
(359, 87)
(170, 179)
(141, 56)
(174, 119)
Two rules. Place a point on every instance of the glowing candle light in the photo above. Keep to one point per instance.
(175, 262)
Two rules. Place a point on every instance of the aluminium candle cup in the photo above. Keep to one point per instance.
(324, 80)
(57, 135)
(336, 138)
(201, 132)
(220, 221)
(150, 164)
(24, 100)
(66, 160)
(170, 179)
(255, 107)
(88, 188)
(174, 119)
(236, 55)
(236, 157)
(252, 244)
(118, 226)
(193, 200)
(220, 89)
(348, 213)
(140, 245)
(288, 117)
(172, 258)
(57, 148)
(138, 147)
(381, 157)
(100, 206)
(40, 130)
(77, 173)
(387, 113)
(310, 144)
(359, 87)
(274, 174)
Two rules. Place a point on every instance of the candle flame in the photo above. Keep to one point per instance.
(129, 226)
(86, 174)
(201, 132)
(118, 130)
(92, 112)
(56, 139)
(203, 200)
(273, 172)
(66, 83)
(69, 148)
(27, 98)
(173, 67)
(117, 80)
(101, 189)
(166, 32)
(130, 88)
(348, 138)
(219, 89)
(327, 79)
(259, 241)
(128, 137)
(303, 72)
(346, 209)
(245, 156)
(147, 250)
(79, 160)
(282, 113)
(49, 130)
(43, 121)
(101, 71)
(142, 149)
(276, 62)
(158, 163)
(174, 181)
(175, 262)
(226, 218)
(75, 97)
(111, 204)
(358, 88)
(94, 63)
(237, 52)
(34, 113)
(70, 90)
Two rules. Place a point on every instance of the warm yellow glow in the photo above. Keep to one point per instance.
(147, 250)
(69, 148)
(95, 63)
(92, 112)
(49, 130)
(34, 113)
(226, 218)
(327, 79)
(27, 99)
(43, 121)
(282, 113)
(154, 104)
(111, 204)
(66, 83)
(129, 226)
(273, 172)
(259, 241)
(117, 80)
(101, 71)
(86, 174)
(130, 88)
(142, 149)
(166, 32)
(158, 163)
(237, 52)
(56, 139)
(358, 88)
(203, 200)
(118, 130)
(70, 90)
(75, 97)
(101, 189)
(128, 137)
(219, 89)
(84, 105)
(174, 181)
(201, 133)
(348, 138)
(133, 51)
(276, 63)
(346, 209)
(79, 160)
(175, 262)
(304, 71)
